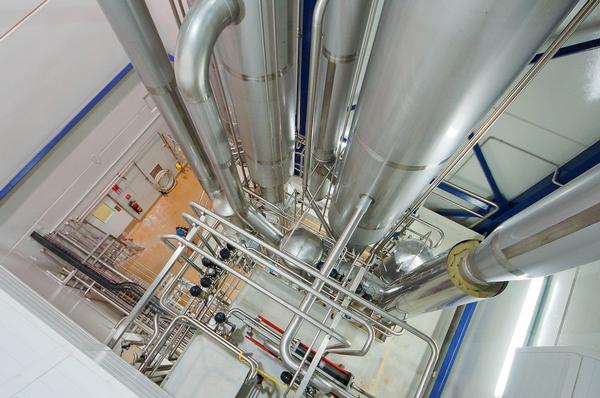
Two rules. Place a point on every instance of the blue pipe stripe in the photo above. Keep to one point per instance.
(64, 131)
(453, 348)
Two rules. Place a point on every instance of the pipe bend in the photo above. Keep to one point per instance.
(195, 44)
(196, 40)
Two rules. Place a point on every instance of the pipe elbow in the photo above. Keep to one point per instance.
(195, 43)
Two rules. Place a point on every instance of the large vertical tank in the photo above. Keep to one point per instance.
(258, 60)
(436, 68)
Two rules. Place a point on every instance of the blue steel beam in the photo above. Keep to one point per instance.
(572, 49)
(570, 170)
(487, 171)
(453, 349)
(65, 130)
(307, 15)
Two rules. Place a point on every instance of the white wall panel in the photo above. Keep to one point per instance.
(158, 153)
(514, 170)
(481, 356)
(14, 12)
(555, 118)
(117, 222)
(581, 323)
(52, 65)
(565, 98)
(80, 168)
(46, 355)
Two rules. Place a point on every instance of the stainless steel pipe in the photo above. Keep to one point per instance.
(332, 259)
(342, 29)
(435, 69)
(291, 277)
(199, 32)
(558, 233)
(258, 61)
(438, 283)
(315, 48)
(135, 29)
(289, 306)
(434, 351)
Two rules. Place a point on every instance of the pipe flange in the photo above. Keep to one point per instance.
(454, 265)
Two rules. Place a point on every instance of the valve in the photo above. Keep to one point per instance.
(220, 317)
(286, 377)
(207, 262)
(224, 254)
(205, 282)
(195, 291)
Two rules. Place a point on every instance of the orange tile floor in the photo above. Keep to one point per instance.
(163, 218)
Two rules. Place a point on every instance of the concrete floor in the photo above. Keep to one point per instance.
(163, 218)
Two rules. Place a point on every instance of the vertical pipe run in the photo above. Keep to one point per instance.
(315, 48)
(258, 61)
(135, 29)
(343, 30)
(539, 62)
(199, 32)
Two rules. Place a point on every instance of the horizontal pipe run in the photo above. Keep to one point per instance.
(557, 233)
(251, 362)
(291, 307)
(324, 380)
(267, 263)
(433, 348)
(309, 270)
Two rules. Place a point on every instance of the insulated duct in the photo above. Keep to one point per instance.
(258, 61)
(197, 36)
(436, 68)
(558, 233)
(135, 29)
(344, 25)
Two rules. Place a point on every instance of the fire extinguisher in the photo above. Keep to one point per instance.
(135, 206)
